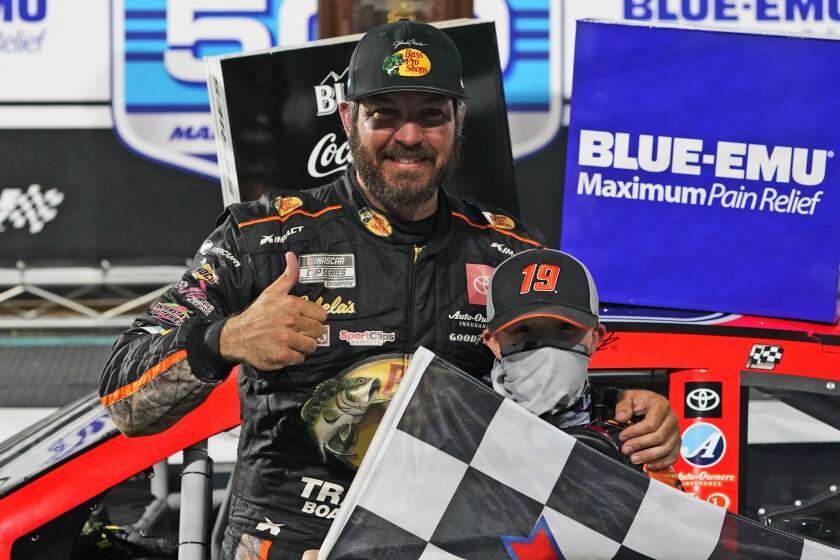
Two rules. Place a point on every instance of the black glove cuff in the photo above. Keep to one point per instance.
(204, 354)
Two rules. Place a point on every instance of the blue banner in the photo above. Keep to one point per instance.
(701, 169)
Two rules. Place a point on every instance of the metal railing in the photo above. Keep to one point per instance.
(79, 297)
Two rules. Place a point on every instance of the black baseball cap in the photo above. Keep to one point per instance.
(541, 283)
(404, 56)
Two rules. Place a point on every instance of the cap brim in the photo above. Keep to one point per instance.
(389, 89)
(576, 317)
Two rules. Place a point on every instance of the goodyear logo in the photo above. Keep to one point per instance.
(407, 62)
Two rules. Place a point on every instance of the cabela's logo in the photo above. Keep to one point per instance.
(337, 307)
(344, 412)
(407, 62)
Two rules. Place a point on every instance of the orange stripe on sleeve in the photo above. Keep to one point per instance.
(289, 215)
(147, 377)
(266, 545)
(497, 230)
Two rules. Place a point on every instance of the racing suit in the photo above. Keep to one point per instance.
(388, 287)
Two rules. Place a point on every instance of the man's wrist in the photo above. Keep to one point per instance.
(204, 352)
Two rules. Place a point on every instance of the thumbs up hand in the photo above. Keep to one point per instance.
(278, 329)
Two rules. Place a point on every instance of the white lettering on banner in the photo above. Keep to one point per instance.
(32, 207)
(327, 157)
(705, 478)
(685, 156)
(768, 199)
(764, 11)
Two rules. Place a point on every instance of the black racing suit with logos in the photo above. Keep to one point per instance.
(388, 287)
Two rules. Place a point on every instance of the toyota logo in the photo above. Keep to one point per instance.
(482, 284)
(702, 399)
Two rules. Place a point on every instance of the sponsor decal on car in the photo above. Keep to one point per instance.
(764, 356)
(719, 499)
(703, 399)
(331, 270)
(705, 478)
(703, 445)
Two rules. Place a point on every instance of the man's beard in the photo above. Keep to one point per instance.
(403, 191)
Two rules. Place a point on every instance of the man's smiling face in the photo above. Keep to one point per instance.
(404, 145)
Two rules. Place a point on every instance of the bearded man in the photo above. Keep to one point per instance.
(323, 294)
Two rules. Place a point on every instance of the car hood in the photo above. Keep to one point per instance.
(53, 440)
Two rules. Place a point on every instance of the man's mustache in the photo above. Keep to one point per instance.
(417, 153)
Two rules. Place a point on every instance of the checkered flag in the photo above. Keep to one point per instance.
(764, 356)
(31, 207)
(457, 472)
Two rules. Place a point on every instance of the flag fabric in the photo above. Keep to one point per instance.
(455, 471)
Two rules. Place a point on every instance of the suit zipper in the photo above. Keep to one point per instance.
(412, 266)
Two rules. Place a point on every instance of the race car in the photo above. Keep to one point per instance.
(757, 400)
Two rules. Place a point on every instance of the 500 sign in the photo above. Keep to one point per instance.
(160, 100)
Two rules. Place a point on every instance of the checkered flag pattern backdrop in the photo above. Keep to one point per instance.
(31, 207)
(457, 472)
(764, 356)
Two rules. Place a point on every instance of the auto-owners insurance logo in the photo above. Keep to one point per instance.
(162, 110)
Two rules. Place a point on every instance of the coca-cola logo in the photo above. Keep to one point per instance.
(328, 157)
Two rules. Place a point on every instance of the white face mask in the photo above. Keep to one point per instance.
(543, 378)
